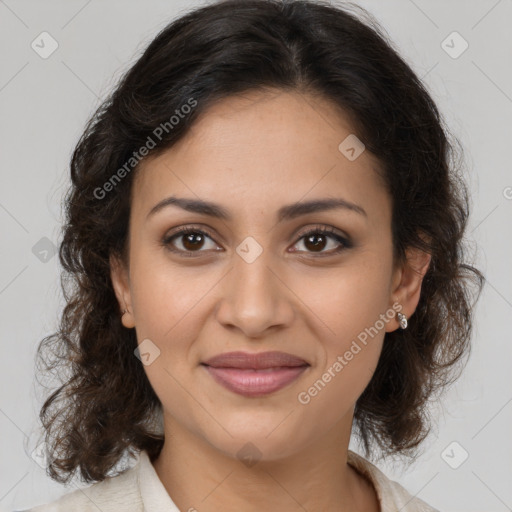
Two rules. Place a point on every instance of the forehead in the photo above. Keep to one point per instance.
(258, 150)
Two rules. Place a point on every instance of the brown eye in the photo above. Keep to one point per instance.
(188, 240)
(192, 241)
(315, 241)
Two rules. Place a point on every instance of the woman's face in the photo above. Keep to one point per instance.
(262, 278)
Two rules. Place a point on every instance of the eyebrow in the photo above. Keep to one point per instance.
(287, 212)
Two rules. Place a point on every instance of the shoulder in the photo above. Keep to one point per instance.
(392, 496)
(400, 497)
(119, 493)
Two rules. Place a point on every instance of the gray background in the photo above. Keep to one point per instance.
(44, 106)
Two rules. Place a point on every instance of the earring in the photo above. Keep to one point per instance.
(126, 323)
(402, 319)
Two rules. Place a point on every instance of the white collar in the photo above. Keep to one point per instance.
(152, 490)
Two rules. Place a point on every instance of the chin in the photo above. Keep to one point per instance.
(256, 436)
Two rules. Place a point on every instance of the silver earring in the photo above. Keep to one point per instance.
(402, 319)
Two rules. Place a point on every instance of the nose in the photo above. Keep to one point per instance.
(255, 298)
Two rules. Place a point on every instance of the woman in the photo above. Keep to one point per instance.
(263, 250)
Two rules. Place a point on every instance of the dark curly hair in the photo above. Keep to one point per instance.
(104, 407)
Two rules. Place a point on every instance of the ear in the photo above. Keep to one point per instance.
(407, 280)
(121, 283)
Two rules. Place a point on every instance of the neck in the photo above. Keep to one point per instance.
(198, 476)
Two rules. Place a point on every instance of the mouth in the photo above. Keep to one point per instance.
(254, 375)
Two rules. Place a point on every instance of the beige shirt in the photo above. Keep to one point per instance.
(139, 489)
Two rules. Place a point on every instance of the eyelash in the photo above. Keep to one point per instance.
(322, 230)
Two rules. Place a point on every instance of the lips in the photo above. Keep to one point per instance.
(257, 374)
(258, 361)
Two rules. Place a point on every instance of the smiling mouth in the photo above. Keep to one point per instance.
(254, 375)
(251, 382)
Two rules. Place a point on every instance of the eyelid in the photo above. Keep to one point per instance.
(325, 228)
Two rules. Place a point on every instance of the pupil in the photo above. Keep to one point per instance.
(316, 245)
(194, 239)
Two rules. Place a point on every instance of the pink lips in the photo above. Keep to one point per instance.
(255, 374)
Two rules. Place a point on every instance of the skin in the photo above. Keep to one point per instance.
(253, 154)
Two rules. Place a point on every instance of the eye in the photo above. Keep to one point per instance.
(189, 240)
(317, 239)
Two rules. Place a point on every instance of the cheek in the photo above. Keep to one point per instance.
(351, 311)
(166, 303)
(166, 295)
(347, 301)
(349, 354)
